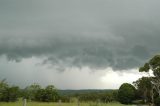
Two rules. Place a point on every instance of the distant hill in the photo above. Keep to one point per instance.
(83, 91)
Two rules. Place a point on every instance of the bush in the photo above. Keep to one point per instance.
(138, 102)
(157, 101)
(65, 99)
(126, 93)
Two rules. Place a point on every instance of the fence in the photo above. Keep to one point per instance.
(97, 103)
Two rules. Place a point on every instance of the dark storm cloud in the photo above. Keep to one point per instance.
(94, 33)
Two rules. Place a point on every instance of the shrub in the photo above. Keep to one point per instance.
(126, 93)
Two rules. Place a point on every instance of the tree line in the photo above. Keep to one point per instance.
(33, 92)
(105, 97)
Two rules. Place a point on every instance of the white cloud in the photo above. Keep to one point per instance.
(114, 79)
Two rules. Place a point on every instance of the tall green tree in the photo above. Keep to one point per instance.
(126, 93)
(7, 93)
(153, 65)
(144, 87)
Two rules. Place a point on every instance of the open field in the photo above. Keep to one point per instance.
(62, 104)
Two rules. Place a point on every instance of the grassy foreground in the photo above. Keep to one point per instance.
(57, 104)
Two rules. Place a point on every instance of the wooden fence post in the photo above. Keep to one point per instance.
(78, 102)
(24, 102)
(59, 102)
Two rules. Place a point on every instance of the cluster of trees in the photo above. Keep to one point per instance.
(8, 93)
(36, 93)
(147, 88)
(33, 92)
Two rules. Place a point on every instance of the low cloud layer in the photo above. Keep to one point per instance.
(25, 73)
(83, 33)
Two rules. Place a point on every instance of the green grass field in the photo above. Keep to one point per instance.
(56, 104)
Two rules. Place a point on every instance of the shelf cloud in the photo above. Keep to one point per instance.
(83, 33)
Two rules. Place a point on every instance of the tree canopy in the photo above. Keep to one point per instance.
(8, 93)
(126, 93)
(152, 83)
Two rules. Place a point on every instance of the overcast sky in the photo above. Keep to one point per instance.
(77, 44)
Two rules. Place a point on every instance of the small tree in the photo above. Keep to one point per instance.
(126, 93)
